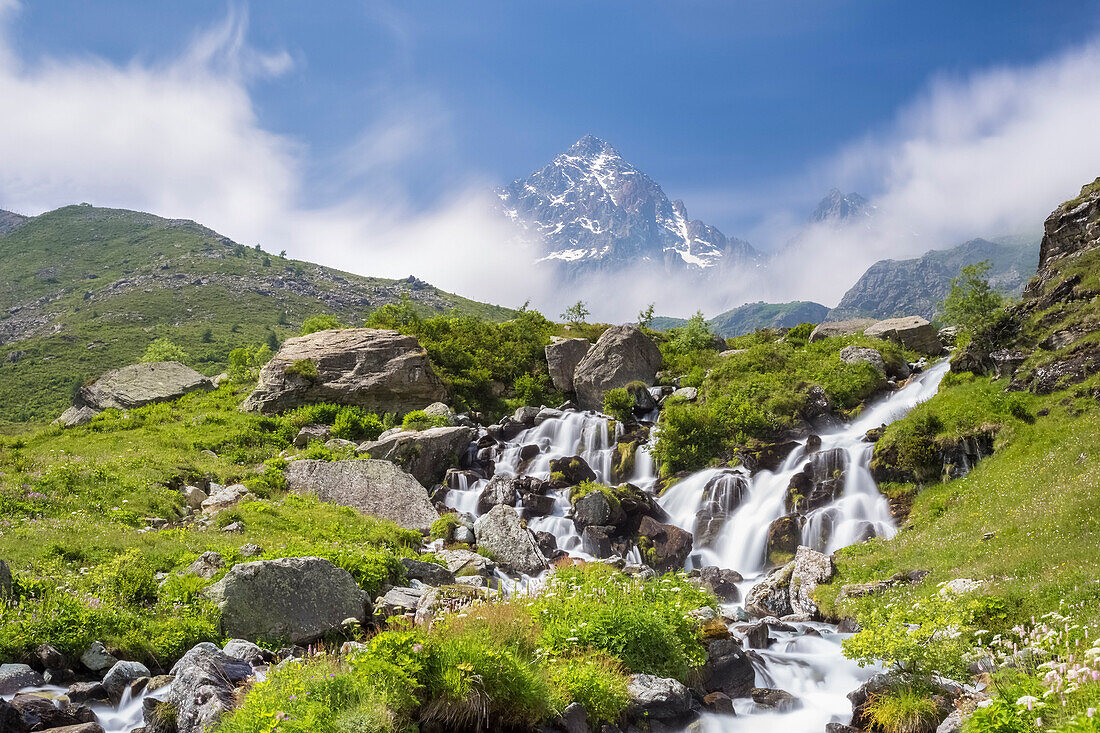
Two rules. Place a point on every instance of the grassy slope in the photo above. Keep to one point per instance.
(85, 289)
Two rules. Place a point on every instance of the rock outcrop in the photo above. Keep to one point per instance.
(623, 354)
(133, 386)
(378, 370)
(203, 686)
(562, 358)
(298, 599)
(849, 327)
(863, 354)
(811, 568)
(374, 487)
(426, 454)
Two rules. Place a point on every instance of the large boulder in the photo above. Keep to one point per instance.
(502, 533)
(133, 386)
(562, 358)
(658, 698)
(912, 332)
(297, 599)
(203, 686)
(378, 370)
(623, 354)
(426, 454)
(119, 677)
(863, 354)
(373, 487)
(811, 568)
(14, 677)
(771, 596)
(728, 669)
(840, 328)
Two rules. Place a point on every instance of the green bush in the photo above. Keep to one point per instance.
(305, 368)
(618, 404)
(351, 423)
(128, 577)
(420, 420)
(163, 350)
(320, 323)
(596, 681)
(444, 527)
(246, 362)
(904, 709)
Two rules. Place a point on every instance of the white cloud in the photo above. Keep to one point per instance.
(982, 156)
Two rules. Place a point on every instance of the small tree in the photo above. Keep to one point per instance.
(694, 336)
(576, 314)
(282, 253)
(972, 302)
(207, 336)
(320, 323)
(645, 317)
(163, 350)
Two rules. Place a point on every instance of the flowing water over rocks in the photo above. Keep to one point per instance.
(821, 495)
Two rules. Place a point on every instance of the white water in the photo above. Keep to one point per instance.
(810, 666)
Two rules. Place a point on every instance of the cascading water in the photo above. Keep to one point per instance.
(729, 512)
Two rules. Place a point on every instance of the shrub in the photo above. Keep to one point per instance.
(619, 404)
(245, 363)
(444, 527)
(903, 710)
(420, 420)
(320, 323)
(163, 350)
(594, 680)
(351, 423)
(128, 577)
(305, 368)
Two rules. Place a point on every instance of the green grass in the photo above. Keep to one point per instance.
(114, 281)
(903, 710)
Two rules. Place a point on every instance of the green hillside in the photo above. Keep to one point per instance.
(86, 289)
(753, 317)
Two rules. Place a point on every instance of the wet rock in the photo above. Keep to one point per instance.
(81, 692)
(771, 596)
(10, 719)
(623, 354)
(811, 568)
(593, 509)
(718, 703)
(664, 546)
(502, 533)
(202, 691)
(378, 370)
(119, 677)
(426, 454)
(372, 487)
(14, 677)
(778, 700)
(912, 332)
(728, 669)
(96, 659)
(570, 471)
(657, 698)
(537, 505)
(427, 572)
(296, 598)
(784, 534)
(499, 490)
(644, 401)
(722, 582)
(596, 540)
(40, 713)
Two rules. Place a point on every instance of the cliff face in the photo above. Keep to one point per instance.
(1071, 230)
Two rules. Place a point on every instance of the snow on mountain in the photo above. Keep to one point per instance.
(592, 208)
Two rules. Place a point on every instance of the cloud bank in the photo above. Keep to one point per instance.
(984, 155)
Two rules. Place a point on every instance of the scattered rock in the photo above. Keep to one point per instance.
(464, 563)
(657, 698)
(811, 568)
(428, 573)
(373, 487)
(296, 598)
(206, 566)
(623, 354)
(426, 454)
(666, 546)
(119, 677)
(380, 371)
(96, 659)
(722, 582)
(244, 650)
(863, 354)
(194, 497)
(48, 657)
(687, 394)
(779, 700)
(728, 669)
(14, 677)
(502, 533)
(440, 410)
(223, 498)
(397, 602)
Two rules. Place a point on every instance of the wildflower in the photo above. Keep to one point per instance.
(1028, 701)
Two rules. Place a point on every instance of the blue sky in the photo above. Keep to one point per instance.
(719, 101)
(369, 135)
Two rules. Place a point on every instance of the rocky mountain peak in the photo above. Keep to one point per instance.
(593, 209)
(10, 221)
(838, 206)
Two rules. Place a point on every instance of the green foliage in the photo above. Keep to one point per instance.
(619, 404)
(420, 420)
(444, 527)
(352, 423)
(596, 681)
(320, 323)
(305, 368)
(576, 314)
(904, 709)
(972, 302)
(128, 577)
(645, 317)
(163, 350)
(1000, 716)
(480, 360)
(642, 623)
